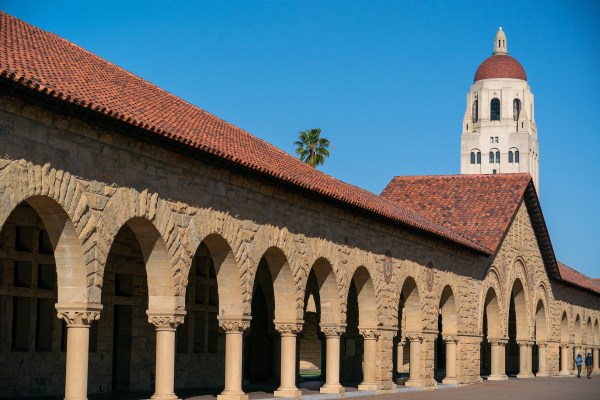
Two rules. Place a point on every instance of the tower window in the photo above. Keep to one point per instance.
(475, 157)
(497, 157)
(478, 157)
(510, 157)
(475, 111)
(516, 109)
(495, 110)
(472, 157)
(491, 157)
(516, 156)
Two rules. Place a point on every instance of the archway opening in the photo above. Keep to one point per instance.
(564, 337)
(311, 339)
(447, 327)
(541, 334)
(490, 330)
(517, 327)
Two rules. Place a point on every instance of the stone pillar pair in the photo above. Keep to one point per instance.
(525, 358)
(414, 376)
(542, 359)
(332, 333)
(451, 349)
(370, 336)
(498, 351)
(288, 332)
(565, 359)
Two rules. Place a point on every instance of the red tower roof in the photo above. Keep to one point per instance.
(500, 66)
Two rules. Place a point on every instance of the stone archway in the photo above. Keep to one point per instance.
(42, 252)
(492, 360)
(412, 330)
(519, 347)
(540, 366)
(577, 341)
(447, 340)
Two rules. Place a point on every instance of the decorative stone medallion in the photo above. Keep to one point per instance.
(388, 267)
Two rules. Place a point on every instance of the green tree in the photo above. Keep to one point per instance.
(311, 147)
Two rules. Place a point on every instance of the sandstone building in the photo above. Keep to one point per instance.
(499, 134)
(180, 251)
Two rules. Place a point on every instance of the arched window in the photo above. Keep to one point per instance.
(478, 157)
(472, 157)
(497, 156)
(516, 109)
(491, 157)
(475, 157)
(475, 111)
(516, 156)
(495, 109)
(510, 157)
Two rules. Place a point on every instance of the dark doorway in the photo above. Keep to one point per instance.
(122, 347)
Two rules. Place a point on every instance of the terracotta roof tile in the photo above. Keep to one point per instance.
(500, 66)
(479, 207)
(577, 278)
(45, 63)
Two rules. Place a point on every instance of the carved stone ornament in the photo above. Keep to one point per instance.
(450, 338)
(79, 315)
(542, 343)
(166, 321)
(525, 342)
(332, 330)
(564, 345)
(495, 341)
(288, 328)
(234, 324)
(369, 333)
(414, 337)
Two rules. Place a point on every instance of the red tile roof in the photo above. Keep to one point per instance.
(47, 64)
(479, 207)
(577, 278)
(500, 66)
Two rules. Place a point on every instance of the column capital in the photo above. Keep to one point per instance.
(291, 328)
(542, 343)
(78, 315)
(565, 345)
(234, 324)
(166, 320)
(414, 336)
(333, 330)
(450, 338)
(497, 341)
(369, 333)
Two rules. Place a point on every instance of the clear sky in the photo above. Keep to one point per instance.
(386, 81)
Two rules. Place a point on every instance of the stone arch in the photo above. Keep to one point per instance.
(541, 327)
(284, 288)
(577, 330)
(68, 252)
(449, 311)
(491, 306)
(162, 295)
(229, 286)
(329, 292)
(412, 306)
(367, 301)
(564, 328)
(596, 333)
(518, 293)
(589, 334)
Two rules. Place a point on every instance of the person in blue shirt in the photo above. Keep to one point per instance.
(578, 362)
(588, 364)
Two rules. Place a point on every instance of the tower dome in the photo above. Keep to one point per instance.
(500, 64)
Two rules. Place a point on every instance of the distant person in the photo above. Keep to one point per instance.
(588, 365)
(578, 361)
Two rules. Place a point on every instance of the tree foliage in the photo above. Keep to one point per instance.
(311, 147)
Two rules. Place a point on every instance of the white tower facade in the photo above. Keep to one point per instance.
(499, 134)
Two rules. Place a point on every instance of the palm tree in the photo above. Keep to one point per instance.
(311, 147)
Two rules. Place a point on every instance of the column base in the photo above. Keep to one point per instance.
(338, 389)
(542, 374)
(527, 375)
(414, 383)
(165, 396)
(497, 378)
(450, 381)
(291, 393)
(232, 396)
(368, 386)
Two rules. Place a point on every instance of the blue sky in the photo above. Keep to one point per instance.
(385, 81)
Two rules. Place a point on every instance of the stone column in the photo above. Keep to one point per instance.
(414, 379)
(166, 324)
(576, 350)
(369, 359)
(502, 365)
(78, 319)
(595, 359)
(400, 359)
(234, 335)
(565, 360)
(332, 363)
(542, 361)
(524, 359)
(497, 362)
(451, 344)
(288, 332)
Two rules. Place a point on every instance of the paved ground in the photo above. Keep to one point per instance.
(514, 389)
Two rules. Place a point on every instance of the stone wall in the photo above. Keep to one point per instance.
(87, 183)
